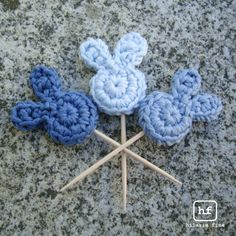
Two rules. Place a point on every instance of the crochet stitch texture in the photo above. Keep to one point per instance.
(117, 86)
(167, 117)
(68, 117)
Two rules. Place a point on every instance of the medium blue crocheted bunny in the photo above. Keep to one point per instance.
(117, 86)
(167, 118)
(68, 117)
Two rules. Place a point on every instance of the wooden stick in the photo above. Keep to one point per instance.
(91, 169)
(137, 157)
(124, 161)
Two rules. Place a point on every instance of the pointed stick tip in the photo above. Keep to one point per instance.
(63, 189)
(179, 183)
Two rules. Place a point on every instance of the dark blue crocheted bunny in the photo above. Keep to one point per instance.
(68, 117)
(167, 117)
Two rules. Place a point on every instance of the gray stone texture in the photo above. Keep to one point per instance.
(180, 34)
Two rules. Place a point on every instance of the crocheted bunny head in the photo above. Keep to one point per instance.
(117, 86)
(167, 117)
(68, 117)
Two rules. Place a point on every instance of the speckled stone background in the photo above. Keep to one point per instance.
(199, 34)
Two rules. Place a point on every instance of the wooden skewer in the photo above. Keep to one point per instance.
(91, 169)
(124, 161)
(137, 157)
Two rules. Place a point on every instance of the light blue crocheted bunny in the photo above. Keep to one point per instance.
(117, 86)
(167, 117)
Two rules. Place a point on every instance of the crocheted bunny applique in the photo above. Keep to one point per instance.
(68, 117)
(167, 117)
(118, 86)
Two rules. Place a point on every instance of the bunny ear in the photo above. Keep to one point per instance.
(26, 115)
(186, 82)
(45, 82)
(131, 49)
(95, 53)
(205, 107)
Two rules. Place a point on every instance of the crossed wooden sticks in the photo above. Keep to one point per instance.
(120, 148)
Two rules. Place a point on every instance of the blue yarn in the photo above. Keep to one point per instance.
(118, 87)
(167, 117)
(68, 117)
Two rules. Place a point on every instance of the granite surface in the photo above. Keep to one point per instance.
(180, 33)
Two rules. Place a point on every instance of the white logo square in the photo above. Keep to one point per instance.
(205, 210)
